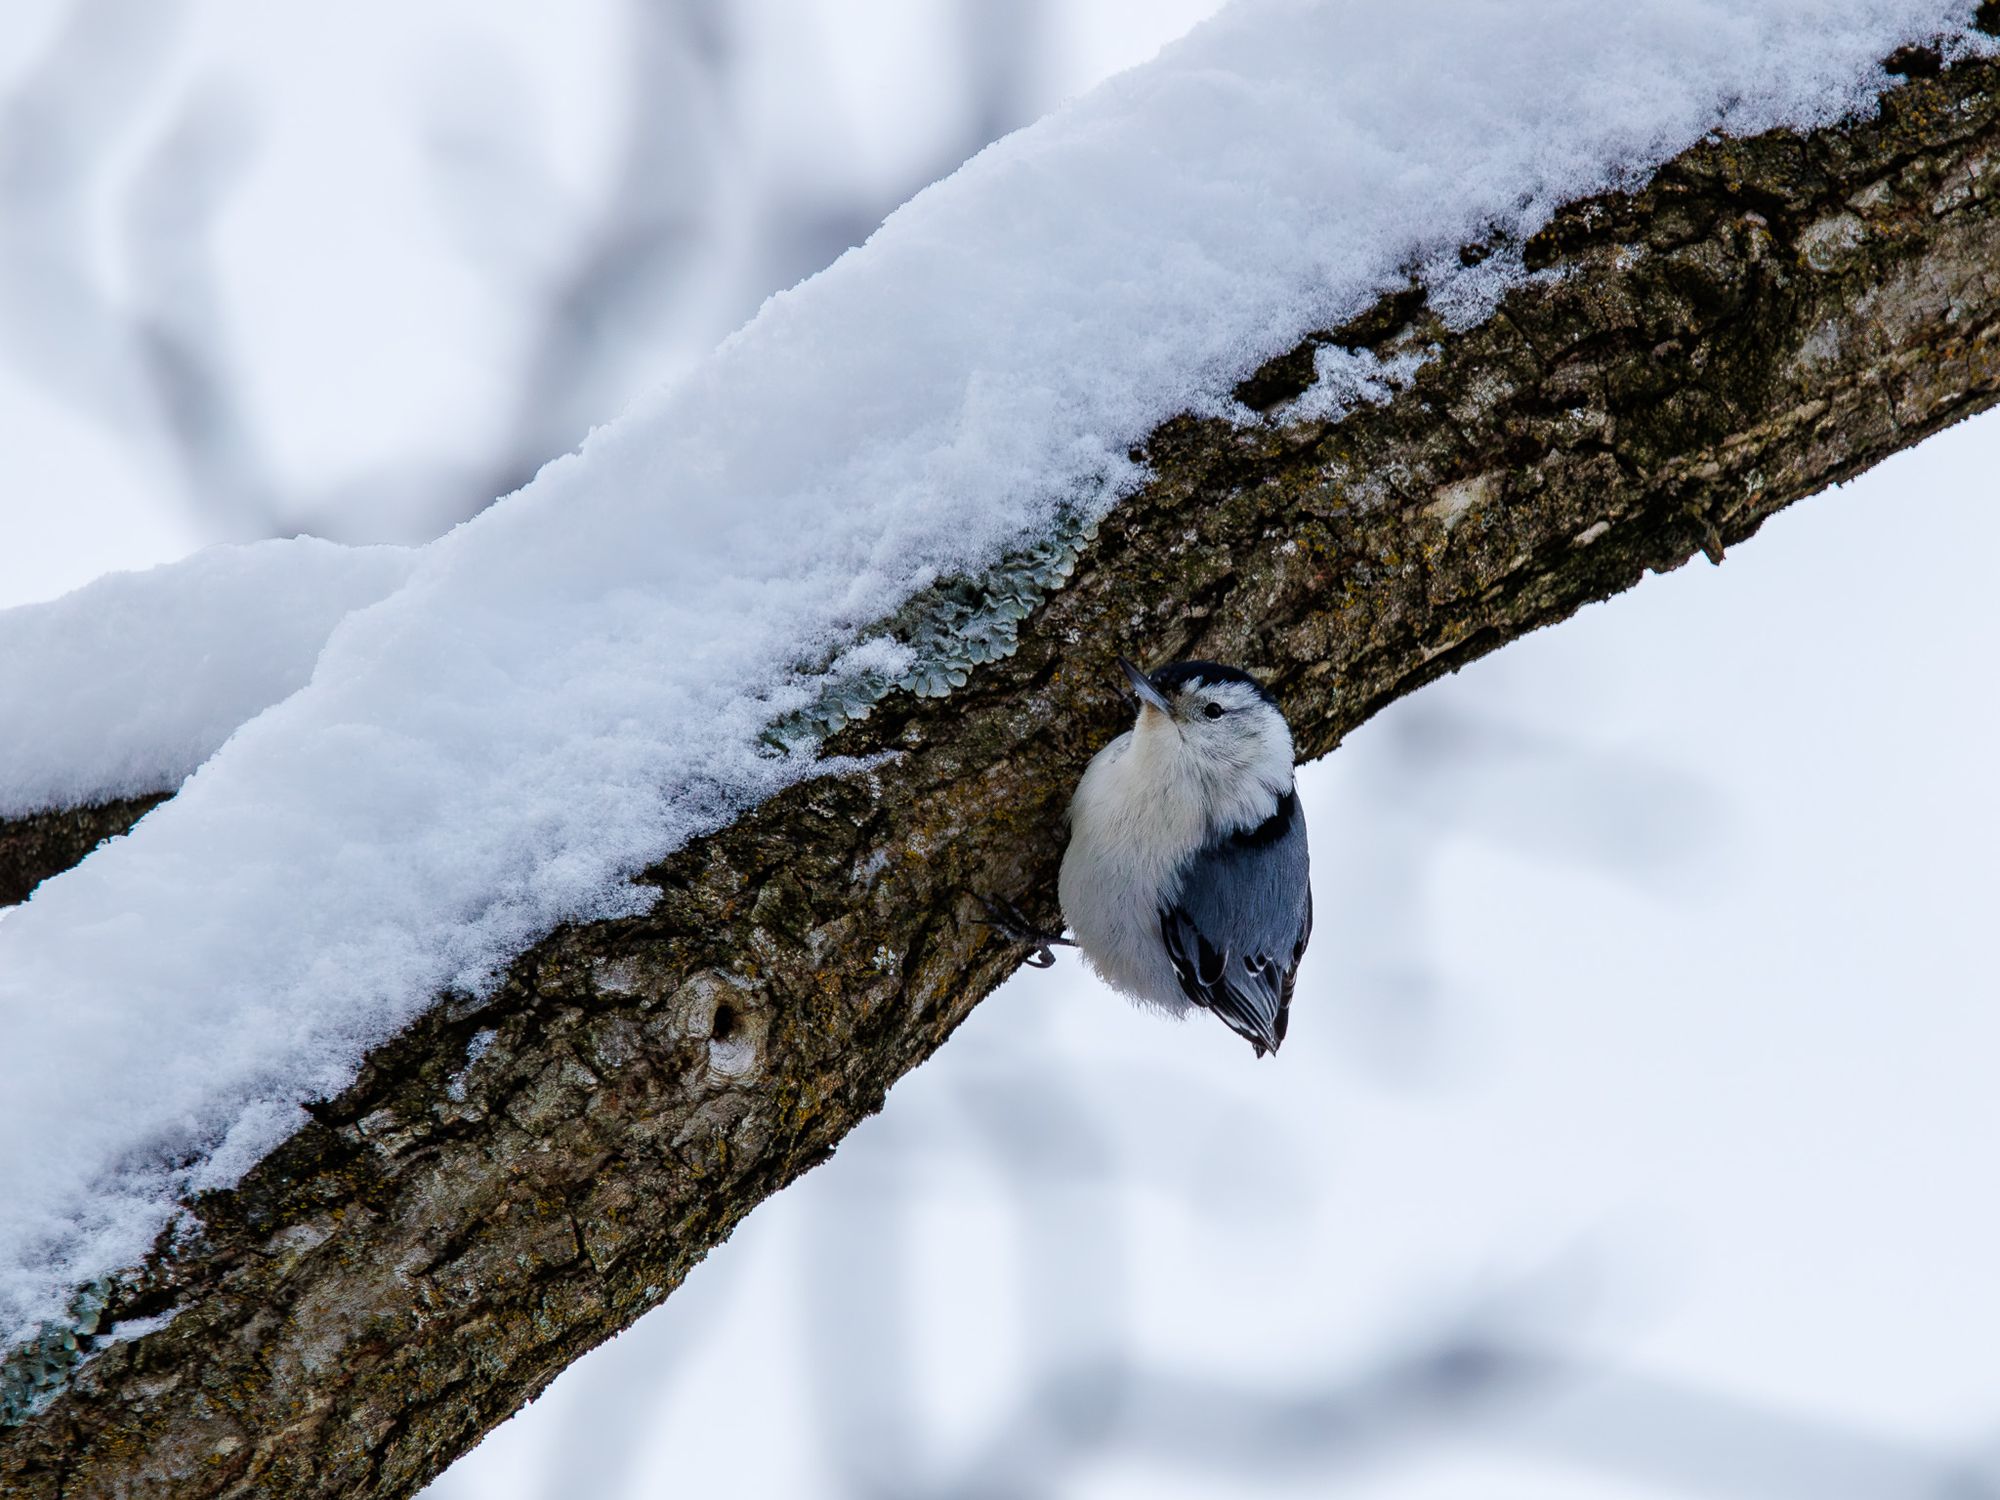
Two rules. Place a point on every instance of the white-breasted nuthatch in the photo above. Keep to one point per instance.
(1185, 877)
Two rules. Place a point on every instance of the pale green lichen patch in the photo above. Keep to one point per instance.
(35, 1372)
(945, 632)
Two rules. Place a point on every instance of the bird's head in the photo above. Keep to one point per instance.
(1217, 718)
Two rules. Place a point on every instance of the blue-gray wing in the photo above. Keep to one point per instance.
(1237, 925)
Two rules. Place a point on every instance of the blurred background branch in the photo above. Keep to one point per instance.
(696, 217)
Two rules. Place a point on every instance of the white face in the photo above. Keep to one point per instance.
(1227, 728)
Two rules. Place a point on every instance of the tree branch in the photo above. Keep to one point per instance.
(513, 1180)
(34, 847)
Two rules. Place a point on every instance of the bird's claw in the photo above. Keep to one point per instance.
(1007, 919)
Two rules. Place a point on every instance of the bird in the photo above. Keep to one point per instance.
(1184, 881)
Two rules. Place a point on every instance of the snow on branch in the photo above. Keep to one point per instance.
(127, 685)
(643, 774)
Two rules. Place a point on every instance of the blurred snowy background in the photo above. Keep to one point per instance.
(1636, 1133)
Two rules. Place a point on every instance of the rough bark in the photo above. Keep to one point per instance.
(35, 847)
(513, 1180)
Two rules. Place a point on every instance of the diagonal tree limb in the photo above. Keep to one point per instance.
(513, 1180)
(34, 847)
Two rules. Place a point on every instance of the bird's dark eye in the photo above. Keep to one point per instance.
(1213, 710)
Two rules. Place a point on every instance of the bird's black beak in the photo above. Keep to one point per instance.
(1149, 695)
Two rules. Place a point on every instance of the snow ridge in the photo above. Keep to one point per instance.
(128, 684)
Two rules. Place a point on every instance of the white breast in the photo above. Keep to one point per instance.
(1133, 820)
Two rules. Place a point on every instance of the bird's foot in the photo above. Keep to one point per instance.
(1007, 919)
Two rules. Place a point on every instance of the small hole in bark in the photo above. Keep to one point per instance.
(1987, 17)
(1917, 62)
(724, 1025)
(1280, 379)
